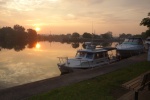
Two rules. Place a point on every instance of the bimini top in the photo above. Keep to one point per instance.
(148, 38)
(133, 41)
(92, 50)
(97, 49)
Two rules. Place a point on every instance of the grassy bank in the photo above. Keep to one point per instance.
(105, 87)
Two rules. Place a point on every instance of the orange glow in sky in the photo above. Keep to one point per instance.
(68, 16)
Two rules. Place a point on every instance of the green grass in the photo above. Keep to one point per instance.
(99, 88)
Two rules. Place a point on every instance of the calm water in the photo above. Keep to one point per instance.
(34, 64)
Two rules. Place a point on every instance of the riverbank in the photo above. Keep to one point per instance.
(28, 90)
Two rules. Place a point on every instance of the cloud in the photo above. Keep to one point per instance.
(70, 17)
(45, 12)
(2, 2)
(134, 3)
(91, 2)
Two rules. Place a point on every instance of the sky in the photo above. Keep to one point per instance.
(68, 16)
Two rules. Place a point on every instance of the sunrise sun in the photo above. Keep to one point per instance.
(38, 45)
(37, 29)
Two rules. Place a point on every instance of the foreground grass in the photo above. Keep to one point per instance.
(98, 88)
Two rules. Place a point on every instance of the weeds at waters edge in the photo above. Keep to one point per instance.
(104, 87)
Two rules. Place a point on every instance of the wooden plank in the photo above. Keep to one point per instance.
(144, 73)
(138, 88)
(146, 79)
(148, 83)
(135, 86)
(141, 76)
(136, 83)
(133, 80)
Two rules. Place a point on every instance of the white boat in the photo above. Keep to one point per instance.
(147, 41)
(131, 47)
(86, 58)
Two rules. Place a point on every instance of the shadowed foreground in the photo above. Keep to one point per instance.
(30, 89)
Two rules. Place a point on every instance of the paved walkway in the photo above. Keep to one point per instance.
(30, 89)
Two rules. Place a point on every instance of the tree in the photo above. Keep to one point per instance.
(129, 35)
(107, 35)
(32, 38)
(86, 35)
(6, 34)
(146, 21)
(10, 38)
(32, 32)
(145, 34)
(123, 35)
(16, 38)
(20, 34)
(75, 35)
(19, 28)
(95, 36)
(32, 35)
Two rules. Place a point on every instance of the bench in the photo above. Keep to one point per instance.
(138, 84)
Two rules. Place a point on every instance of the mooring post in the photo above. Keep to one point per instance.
(136, 96)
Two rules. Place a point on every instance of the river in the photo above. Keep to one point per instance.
(34, 64)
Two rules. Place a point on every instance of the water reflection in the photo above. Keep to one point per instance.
(17, 46)
(105, 44)
(29, 65)
(75, 45)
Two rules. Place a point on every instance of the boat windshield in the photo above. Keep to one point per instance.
(147, 39)
(132, 41)
(89, 55)
(126, 40)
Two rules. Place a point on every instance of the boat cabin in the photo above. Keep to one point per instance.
(91, 55)
(133, 41)
(147, 40)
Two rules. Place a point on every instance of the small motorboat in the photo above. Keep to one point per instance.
(131, 47)
(147, 42)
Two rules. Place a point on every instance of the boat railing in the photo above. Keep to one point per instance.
(62, 60)
(94, 62)
(111, 56)
(84, 62)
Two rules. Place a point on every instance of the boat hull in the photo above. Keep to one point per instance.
(130, 47)
(86, 58)
(64, 69)
(129, 53)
